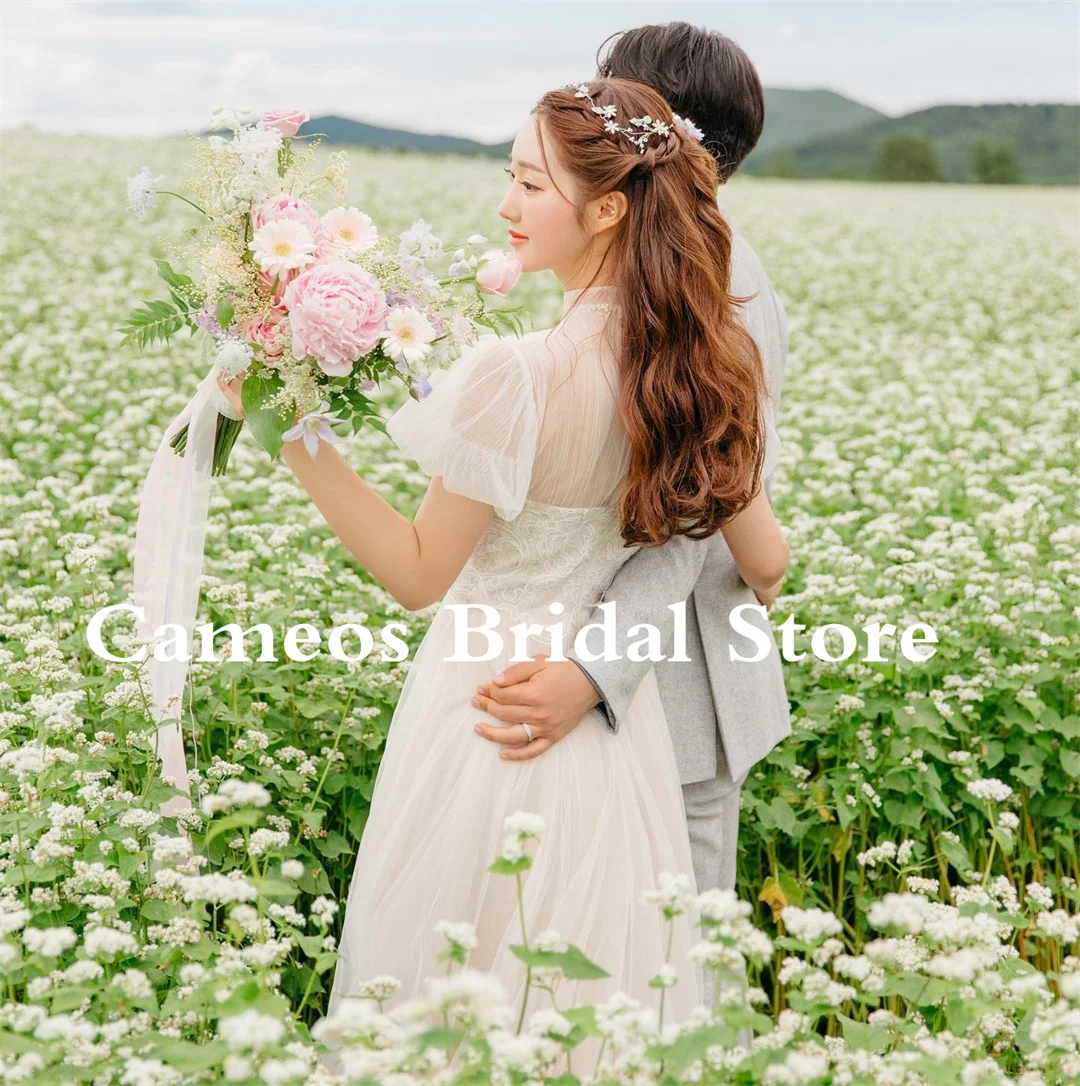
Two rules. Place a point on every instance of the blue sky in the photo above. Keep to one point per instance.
(476, 68)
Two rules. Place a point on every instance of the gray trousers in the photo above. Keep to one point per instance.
(712, 819)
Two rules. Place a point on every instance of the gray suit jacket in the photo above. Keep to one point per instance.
(747, 701)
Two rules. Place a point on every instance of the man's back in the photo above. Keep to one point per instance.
(763, 317)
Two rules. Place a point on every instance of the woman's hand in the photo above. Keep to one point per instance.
(231, 391)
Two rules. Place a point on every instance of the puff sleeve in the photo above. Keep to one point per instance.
(478, 426)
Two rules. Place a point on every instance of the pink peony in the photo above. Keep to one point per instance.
(498, 273)
(337, 312)
(287, 207)
(286, 121)
(266, 332)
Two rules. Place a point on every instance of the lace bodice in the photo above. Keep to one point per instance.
(547, 554)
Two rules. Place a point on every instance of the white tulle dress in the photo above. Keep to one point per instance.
(529, 425)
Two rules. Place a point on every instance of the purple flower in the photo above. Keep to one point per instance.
(313, 428)
(206, 319)
(422, 386)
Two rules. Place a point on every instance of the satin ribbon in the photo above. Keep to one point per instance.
(169, 542)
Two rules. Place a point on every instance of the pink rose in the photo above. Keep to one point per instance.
(287, 207)
(286, 121)
(337, 312)
(266, 332)
(498, 273)
(266, 281)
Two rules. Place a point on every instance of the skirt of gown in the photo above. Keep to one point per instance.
(613, 811)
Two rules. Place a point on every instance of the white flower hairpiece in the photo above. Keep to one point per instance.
(688, 127)
(640, 129)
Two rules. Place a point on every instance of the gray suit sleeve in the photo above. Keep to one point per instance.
(643, 590)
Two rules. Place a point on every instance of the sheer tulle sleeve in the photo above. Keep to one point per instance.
(478, 426)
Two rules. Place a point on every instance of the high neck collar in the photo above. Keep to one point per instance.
(588, 296)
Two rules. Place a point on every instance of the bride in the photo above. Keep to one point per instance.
(553, 457)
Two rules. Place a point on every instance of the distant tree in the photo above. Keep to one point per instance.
(784, 163)
(994, 162)
(906, 156)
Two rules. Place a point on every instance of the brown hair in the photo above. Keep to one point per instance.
(702, 75)
(691, 382)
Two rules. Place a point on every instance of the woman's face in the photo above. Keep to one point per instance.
(543, 227)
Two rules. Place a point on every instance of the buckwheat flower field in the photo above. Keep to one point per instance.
(907, 906)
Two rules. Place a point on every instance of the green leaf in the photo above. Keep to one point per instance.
(866, 1038)
(156, 320)
(1070, 762)
(173, 278)
(510, 867)
(157, 911)
(266, 425)
(908, 813)
(225, 313)
(572, 961)
(246, 816)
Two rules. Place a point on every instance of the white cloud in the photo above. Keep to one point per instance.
(35, 79)
(71, 20)
(68, 91)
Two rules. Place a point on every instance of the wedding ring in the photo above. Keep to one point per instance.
(528, 731)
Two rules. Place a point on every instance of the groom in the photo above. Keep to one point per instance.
(724, 715)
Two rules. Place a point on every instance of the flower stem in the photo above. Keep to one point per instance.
(525, 940)
(169, 192)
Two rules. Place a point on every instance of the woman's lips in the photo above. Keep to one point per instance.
(517, 239)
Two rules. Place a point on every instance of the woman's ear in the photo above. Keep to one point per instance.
(609, 211)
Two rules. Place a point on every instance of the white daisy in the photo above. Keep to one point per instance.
(409, 335)
(282, 245)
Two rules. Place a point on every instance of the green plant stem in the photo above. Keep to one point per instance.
(525, 941)
(169, 192)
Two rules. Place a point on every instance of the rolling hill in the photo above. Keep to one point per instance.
(798, 116)
(1046, 137)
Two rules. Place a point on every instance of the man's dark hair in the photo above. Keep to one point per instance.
(704, 76)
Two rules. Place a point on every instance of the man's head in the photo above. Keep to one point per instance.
(703, 75)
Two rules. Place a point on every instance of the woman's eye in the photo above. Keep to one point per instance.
(525, 184)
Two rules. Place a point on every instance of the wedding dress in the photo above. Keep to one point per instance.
(529, 425)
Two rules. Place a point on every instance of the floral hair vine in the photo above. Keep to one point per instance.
(640, 128)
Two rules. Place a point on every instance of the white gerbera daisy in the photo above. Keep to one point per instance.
(348, 230)
(409, 335)
(282, 245)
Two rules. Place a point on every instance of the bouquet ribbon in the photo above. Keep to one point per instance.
(169, 542)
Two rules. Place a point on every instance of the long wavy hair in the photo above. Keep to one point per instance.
(691, 381)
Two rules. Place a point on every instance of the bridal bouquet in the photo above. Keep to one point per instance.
(317, 309)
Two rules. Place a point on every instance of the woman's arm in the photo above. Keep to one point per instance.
(758, 545)
(415, 561)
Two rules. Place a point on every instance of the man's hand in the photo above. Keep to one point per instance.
(552, 698)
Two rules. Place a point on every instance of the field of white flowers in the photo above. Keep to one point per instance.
(908, 905)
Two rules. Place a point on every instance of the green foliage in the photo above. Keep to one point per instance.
(994, 162)
(267, 424)
(906, 156)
